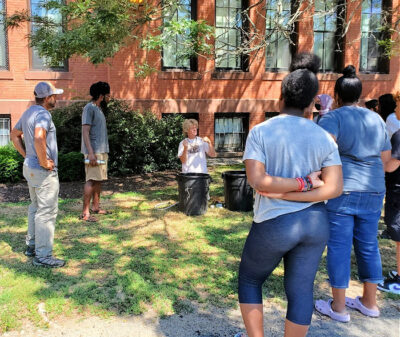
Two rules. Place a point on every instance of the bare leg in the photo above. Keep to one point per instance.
(253, 319)
(88, 191)
(96, 196)
(339, 300)
(369, 296)
(295, 330)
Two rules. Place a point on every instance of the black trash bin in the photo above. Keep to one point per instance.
(193, 192)
(238, 193)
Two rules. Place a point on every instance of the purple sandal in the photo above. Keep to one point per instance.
(325, 308)
(355, 303)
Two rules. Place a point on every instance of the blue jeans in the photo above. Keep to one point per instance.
(299, 238)
(353, 219)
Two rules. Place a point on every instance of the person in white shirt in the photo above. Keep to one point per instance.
(193, 149)
(387, 110)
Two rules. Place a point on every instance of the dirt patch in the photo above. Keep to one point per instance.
(72, 190)
(209, 321)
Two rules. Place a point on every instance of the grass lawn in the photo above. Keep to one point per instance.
(136, 259)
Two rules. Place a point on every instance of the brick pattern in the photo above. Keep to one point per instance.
(204, 93)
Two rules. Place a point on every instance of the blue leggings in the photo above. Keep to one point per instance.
(299, 238)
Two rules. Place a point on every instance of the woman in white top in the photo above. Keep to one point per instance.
(193, 149)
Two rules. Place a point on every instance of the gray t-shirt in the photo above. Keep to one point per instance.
(38, 117)
(289, 147)
(92, 115)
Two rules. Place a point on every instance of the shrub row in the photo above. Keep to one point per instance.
(139, 142)
(71, 166)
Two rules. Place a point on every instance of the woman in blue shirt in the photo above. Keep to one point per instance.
(364, 148)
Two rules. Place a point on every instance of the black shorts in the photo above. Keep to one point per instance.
(392, 215)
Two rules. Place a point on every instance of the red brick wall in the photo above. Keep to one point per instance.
(255, 92)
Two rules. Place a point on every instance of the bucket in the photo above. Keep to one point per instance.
(238, 193)
(193, 192)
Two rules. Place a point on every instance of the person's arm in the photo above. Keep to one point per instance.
(390, 164)
(183, 156)
(261, 181)
(211, 151)
(16, 138)
(332, 177)
(86, 138)
(40, 147)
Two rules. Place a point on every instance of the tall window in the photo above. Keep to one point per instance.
(327, 35)
(3, 38)
(231, 131)
(230, 29)
(39, 63)
(371, 55)
(4, 129)
(172, 52)
(278, 35)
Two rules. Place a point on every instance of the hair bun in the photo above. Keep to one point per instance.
(307, 61)
(349, 72)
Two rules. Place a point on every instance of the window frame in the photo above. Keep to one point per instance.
(6, 66)
(338, 52)
(193, 62)
(244, 59)
(245, 116)
(7, 117)
(293, 38)
(270, 114)
(383, 62)
(64, 68)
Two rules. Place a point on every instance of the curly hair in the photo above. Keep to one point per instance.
(307, 61)
(299, 88)
(187, 124)
(99, 88)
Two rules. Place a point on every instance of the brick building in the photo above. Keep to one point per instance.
(227, 96)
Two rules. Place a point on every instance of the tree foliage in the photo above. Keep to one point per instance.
(98, 29)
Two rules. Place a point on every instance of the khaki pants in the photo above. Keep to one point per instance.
(42, 212)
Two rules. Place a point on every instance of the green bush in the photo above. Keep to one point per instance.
(71, 166)
(10, 164)
(68, 122)
(138, 142)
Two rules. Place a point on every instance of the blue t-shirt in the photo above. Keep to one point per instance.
(38, 117)
(289, 147)
(361, 137)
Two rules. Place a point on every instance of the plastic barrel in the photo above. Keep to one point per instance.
(193, 192)
(238, 193)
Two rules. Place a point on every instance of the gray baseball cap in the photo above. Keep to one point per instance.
(44, 89)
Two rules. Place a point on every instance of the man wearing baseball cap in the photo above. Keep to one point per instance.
(40, 171)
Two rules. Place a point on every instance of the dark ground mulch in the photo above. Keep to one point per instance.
(71, 190)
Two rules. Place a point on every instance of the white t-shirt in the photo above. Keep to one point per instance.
(392, 124)
(196, 155)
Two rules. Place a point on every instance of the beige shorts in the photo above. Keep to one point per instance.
(99, 172)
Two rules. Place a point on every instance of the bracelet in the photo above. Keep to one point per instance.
(305, 184)
(309, 181)
(300, 182)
